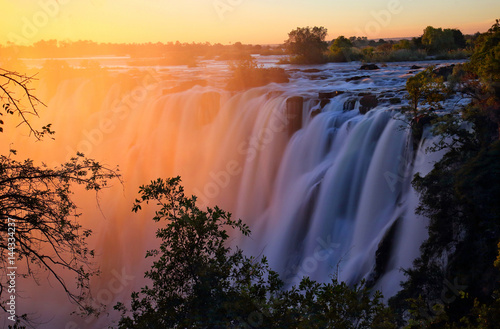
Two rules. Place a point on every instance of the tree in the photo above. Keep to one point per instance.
(459, 39)
(307, 44)
(438, 40)
(17, 99)
(485, 64)
(199, 282)
(248, 74)
(460, 197)
(341, 50)
(37, 213)
(426, 91)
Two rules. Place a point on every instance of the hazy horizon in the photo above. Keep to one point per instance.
(230, 21)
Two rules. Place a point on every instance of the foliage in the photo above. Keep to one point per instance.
(497, 261)
(485, 61)
(453, 282)
(485, 64)
(437, 40)
(199, 282)
(307, 44)
(37, 210)
(342, 50)
(248, 74)
(17, 100)
(48, 236)
(426, 91)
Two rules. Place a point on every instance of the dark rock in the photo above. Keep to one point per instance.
(395, 100)
(418, 124)
(315, 112)
(186, 85)
(367, 102)
(318, 77)
(311, 71)
(383, 254)
(350, 104)
(444, 71)
(324, 102)
(274, 93)
(369, 67)
(294, 108)
(416, 67)
(360, 77)
(329, 94)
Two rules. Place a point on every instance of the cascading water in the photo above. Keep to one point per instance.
(324, 191)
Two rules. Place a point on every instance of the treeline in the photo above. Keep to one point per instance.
(308, 46)
(68, 49)
(304, 45)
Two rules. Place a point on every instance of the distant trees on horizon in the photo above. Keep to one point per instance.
(305, 45)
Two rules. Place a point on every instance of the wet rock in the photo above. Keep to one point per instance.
(444, 71)
(324, 102)
(311, 71)
(395, 100)
(350, 104)
(360, 77)
(274, 94)
(367, 102)
(315, 112)
(329, 94)
(369, 67)
(416, 67)
(383, 254)
(186, 85)
(318, 77)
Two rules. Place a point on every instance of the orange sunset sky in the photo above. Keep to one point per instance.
(229, 21)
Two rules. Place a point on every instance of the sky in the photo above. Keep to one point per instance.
(229, 21)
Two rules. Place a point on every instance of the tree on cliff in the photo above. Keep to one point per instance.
(39, 225)
(307, 44)
(454, 282)
(485, 64)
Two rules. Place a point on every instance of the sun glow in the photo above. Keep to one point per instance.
(224, 21)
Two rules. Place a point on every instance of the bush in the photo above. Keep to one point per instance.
(199, 282)
(248, 74)
(307, 45)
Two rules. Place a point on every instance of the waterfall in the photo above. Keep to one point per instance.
(323, 191)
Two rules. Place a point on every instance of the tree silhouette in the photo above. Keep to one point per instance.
(38, 216)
